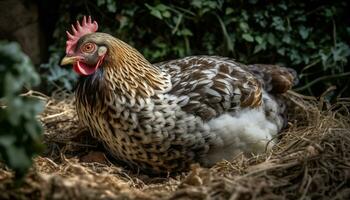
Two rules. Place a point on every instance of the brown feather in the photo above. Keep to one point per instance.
(276, 79)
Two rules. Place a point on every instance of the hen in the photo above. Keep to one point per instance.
(162, 117)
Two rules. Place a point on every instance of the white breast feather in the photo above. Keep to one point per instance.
(249, 131)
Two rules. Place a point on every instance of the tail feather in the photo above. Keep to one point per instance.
(275, 79)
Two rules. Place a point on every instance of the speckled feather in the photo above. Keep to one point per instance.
(161, 118)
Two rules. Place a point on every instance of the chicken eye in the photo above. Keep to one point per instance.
(88, 47)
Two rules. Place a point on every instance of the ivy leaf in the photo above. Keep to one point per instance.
(166, 14)
(185, 32)
(229, 11)
(259, 39)
(244, 26)
(304, 32)
(19, 128)
(248, 37)
(7, 140)
(18, 158)
(112, 7)
(286, 38)
(161, 7)
(271, 39)
(197, 3)
(260, 47)
(281, 51)
(155, 11)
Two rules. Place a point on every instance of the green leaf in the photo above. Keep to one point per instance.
(7, 140)
(19, 129)
(278, 23)
(229, 11)
(260, 47)
(271, 39)
(286, 38)
(166, 14)
(186, 32)
(281, 51)
(304, 32)
(259, 39)
(161, 7)
(155, 10)
(248, 37)
(197, 3)
(18, 158)
(14, 115)
(156, 13)
(112, 7)
(244, 26)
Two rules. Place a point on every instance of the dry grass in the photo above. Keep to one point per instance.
(311, 161)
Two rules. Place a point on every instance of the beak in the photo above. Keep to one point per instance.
(69, 60)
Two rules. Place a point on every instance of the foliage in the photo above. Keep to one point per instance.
(308, 36)
(20, 131)
(56, 75)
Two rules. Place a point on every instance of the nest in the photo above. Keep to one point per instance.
(311, 161)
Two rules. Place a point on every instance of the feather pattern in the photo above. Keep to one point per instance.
(161, 118)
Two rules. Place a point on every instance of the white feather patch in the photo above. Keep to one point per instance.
(248, 132)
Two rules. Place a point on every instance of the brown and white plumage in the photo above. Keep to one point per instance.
(162, 117)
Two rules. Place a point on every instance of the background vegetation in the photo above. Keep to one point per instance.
(20, 132)
(311, 37)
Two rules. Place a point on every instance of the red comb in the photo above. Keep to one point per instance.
(87, 26)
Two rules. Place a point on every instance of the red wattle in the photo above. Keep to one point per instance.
(84, 69)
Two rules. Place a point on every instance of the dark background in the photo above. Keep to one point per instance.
(310, 36)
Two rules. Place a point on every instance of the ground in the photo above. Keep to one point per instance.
(310, 161)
